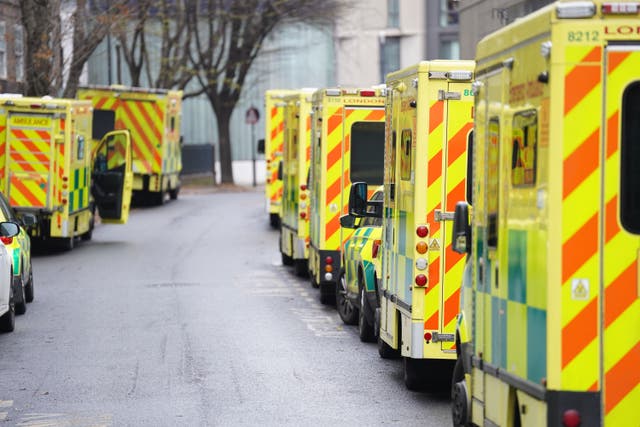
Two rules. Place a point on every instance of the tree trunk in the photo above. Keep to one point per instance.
(223, 115)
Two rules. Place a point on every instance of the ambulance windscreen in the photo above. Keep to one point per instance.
(367, 152)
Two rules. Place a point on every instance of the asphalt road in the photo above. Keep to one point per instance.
(186, 317)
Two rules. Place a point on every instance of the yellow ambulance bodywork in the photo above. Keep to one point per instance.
(294, 227)
(47, 167)
(549, 330)
(429, 125)
(152, 116)
(347, 145)
(273, 147)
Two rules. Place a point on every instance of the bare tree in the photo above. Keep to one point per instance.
(45, 61)
(228, 36)
(41, 21)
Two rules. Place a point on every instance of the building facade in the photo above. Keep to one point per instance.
(482, 17)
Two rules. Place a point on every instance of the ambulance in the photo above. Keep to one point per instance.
(152, 116)
(50, 168)
(347, 145)
(273, 147)
(294, 227)
(429, 122)
(549, 330)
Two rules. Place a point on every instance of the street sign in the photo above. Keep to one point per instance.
(252, 116)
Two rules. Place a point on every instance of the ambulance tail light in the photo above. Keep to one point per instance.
(303, 215)
(576, 10)
(428, 336)
(618, 8)
(375, 248)
(303, 187)
(421, 280)
(367, 93)
(571, 418)
(328, 260)
(6, 240)
(422, 231)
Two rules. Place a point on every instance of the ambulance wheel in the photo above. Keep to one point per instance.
(366, 330)
(173, 194)
(348, 313)
(386, 351)
(286, 259)
(65, 243)
(8, 320)
(301, 267)
(414, 373)
(21, 303)
(28, 289)
(459, 396)
(274, 220)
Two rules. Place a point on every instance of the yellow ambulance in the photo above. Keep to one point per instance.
(49, 167)
(152, 116)
(549, 331)
(294, 227)
(429, 127)
(347, 145)
(273, 147)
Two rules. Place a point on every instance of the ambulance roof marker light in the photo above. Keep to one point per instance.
(576, 10)
(333, 92)
(619, 8)
(367, 93)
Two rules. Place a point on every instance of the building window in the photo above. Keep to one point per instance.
(3, 50)
(18, 50)
(449, 49)
(448, 13)
(389, 56)
(393, 13)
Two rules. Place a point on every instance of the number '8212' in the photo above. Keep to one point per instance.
(583, 36)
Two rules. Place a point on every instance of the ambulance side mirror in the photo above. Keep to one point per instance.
(348, 221)
(358, 199)
(461, 239)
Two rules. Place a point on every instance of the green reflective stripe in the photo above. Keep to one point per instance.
(16, 261)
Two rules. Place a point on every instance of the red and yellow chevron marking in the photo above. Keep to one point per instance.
(441, 305)
(273, 154)
(144, 119)
(338, 178)
(621, 355)
(29, 164)
(583, 89)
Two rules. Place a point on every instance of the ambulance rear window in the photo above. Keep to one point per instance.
(104, 121)
(630, 159)
(367, 152)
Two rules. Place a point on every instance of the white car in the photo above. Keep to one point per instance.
(7, 304)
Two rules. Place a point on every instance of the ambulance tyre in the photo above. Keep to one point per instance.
(301, 267)
(28, 289)
(366, 330)
(8, 320)
(274, 220)
(173, 193)
(348, 313)
(386, 351)
(286, 259)
(459, 396)
(414, 373)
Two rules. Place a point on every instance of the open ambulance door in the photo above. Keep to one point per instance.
(112, 177)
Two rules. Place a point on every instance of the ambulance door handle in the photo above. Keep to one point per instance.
(443, 216)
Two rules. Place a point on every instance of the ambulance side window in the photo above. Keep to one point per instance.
(525, 148)
(630, 159)
(405, 155)
(493, 180)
